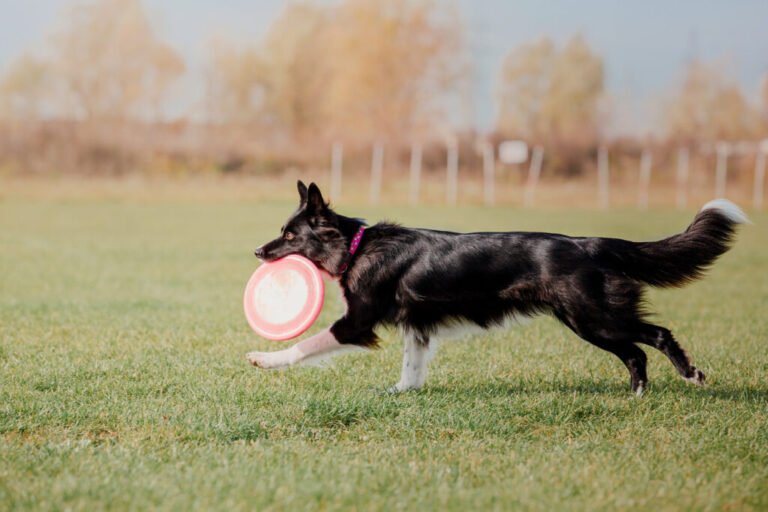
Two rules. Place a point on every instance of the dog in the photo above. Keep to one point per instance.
(426, 282)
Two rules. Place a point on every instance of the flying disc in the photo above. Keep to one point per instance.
(283, 297)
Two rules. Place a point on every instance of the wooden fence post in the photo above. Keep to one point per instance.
(336, 162)
(683, 158)
(534, 171)
(488, 174)
(452, 174)
(721, 173)
(757, 198)
(603, 180)
(413, 193)
(377, 163)
(645, 179)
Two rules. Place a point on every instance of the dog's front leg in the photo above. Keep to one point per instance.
(418, 351)
(311, 350)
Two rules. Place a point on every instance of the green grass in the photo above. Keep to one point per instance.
(123, 383)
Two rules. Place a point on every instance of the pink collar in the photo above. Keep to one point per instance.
(353, 246)
(356, 241)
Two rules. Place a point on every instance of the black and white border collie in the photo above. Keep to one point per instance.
(425, 281)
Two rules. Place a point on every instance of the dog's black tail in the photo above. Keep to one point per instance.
(681, 258)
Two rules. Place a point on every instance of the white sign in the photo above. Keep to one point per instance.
(513, 152)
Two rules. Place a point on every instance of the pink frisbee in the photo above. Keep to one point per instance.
(283, 297)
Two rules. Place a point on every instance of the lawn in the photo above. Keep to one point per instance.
(123, 383)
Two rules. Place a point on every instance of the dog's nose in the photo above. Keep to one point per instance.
(259, 252)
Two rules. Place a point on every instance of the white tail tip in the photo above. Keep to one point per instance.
(727, 208)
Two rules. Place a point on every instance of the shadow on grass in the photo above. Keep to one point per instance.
(741, 394)
(498, 388)
(519, 408)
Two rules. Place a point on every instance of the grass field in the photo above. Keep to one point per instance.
(123, 383)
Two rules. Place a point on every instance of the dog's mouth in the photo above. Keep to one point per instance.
(267, 257)
(261, 254)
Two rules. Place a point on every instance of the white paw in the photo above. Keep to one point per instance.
(266, 360)
(255, 358)
(401, 387)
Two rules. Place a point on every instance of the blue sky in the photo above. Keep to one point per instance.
(644, 43)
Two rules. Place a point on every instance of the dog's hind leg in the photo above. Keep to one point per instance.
(618, 343)
(418, 351)
(661, 339)
(633, 358)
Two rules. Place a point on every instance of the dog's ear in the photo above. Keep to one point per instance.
(302, 192)
(315, 201)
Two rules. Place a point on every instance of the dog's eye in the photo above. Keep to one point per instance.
(288, 235)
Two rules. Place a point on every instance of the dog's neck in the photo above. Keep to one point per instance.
(348, 227)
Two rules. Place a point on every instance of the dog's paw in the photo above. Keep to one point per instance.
(254, 358)
(271, 360)
(398, 388)
(391, 390)
(262, 360)
(697, 378)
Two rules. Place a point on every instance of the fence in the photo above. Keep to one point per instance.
(722, 152)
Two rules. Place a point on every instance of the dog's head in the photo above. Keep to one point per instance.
(312, 231)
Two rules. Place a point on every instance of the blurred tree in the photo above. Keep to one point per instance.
(236, 84)
(110, 64)
(550, 96)
(524, 87)
(544, 93)
(296, 71)
(707, 108)
(165, 67)
(362, 70)
(575, 88)
(278, 85)
(23, 88)
(392, 63)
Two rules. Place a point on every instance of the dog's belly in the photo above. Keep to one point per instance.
(457, 329)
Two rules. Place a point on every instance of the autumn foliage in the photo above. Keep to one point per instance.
(361, 71)
(104, 96)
